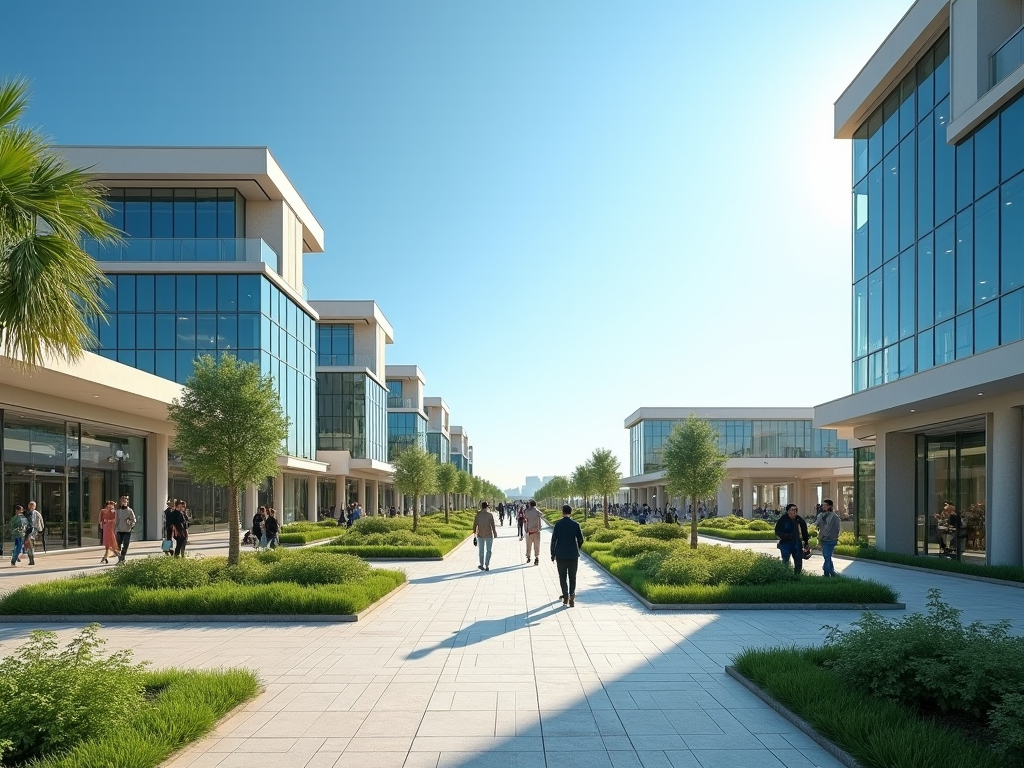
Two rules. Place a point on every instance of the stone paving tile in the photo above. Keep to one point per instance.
(486, 670)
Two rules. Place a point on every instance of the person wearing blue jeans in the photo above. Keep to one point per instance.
(18, 528)
(828, 535)
(484, 530)
(792, 532)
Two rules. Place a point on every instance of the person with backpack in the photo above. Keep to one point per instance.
(35, 525)
(18, 528)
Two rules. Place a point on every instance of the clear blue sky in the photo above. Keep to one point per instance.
(568, 210)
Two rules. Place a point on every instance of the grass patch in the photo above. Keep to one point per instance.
(915, 692)
(51, 718)
(736, 535)
(393, 537)
(305, 532)
(1006, 572)
(277, 582)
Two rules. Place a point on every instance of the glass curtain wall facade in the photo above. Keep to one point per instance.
(864, 493)
(161, 323)
(335, 344)
(404, 430)
(951, 495)
(938, 231)
(440, 446)
(351, 415)
(767, 438)
(70, 470)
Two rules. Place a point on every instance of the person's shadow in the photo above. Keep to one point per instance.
(487, 629)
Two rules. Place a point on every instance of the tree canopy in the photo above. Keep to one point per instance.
(603, 470)
(415, 475)
(447, 480)
(694, 465)
(230, 430)
(49, 286)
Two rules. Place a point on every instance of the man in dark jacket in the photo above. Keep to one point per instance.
(793, 539)
(566, 540)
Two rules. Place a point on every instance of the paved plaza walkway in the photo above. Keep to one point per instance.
(464, 668)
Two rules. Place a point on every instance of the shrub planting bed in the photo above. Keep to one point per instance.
(393, 537)
(74, 707)
(657, 562)
(1005, 572)
(306, 532)
(308, 581)
(917, 692)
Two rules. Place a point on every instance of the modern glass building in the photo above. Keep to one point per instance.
(405, 430)
(936, 120)
(352, 415)
(776, 456)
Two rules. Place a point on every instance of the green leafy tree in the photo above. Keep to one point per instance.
(463, 486)
(447, 479)
(415, 475)
(558, 488)
(582, 484)
(230, 430)
(49, 286)
(694, 465)
(476, 488)
(605, 477)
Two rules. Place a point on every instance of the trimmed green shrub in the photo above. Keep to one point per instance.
(932, 663)
(50, 694)
(369, 525)
(159, 572)
(318, 568)
(631, 546)
(663, 531)
(604, 535)
(760, 525)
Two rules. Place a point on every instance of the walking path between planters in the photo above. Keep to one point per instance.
(466, 668)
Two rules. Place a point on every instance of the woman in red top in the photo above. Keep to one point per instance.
(108, 521)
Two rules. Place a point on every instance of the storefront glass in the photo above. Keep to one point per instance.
(864, 493)
(951, 496)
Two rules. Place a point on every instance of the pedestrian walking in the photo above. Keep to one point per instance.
(108, 534)
(273, 527)
(566, 540)
(125, 523)
(35, 527)
(828, 536)
(792, 532)
(484, 531)
(177, 528)
(532, 525)
(18, 526)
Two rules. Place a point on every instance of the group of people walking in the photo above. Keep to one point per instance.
(116, 525)
(794, 540)
(265, 529)
(24, 526)
(566, 540)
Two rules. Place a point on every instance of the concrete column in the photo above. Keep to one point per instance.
(340, 493)
(278, 503)
(1003, 527)
(364, 494)
(312, 498)
(746, 488)
(374, 498)
(724, 498)
(156, 486)
(251, 504)
(895, 512)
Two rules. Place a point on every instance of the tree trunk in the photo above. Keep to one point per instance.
(693, 522)
(607, 524)
(446, 507)
(415, 511)
(234, 524)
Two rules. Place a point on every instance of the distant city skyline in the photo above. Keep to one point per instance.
(570, 182)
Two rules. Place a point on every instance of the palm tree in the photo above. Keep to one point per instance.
(48, 284)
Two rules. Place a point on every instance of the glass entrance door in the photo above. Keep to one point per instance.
(951, 498)
(50, 493)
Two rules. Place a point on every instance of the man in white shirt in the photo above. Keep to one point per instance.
(35, 527)
(532, 516)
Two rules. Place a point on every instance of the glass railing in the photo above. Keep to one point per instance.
(177, 249)
(345, 361)
(401, 402)
(1008, 57)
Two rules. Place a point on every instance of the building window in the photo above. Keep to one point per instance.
(335, 344)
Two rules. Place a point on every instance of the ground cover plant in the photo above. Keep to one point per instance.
(915, 692)
(307, 581)
(736, 528)
(304, 532)
(657, 562)
(850, 548)
(393, 537)
(51, 717)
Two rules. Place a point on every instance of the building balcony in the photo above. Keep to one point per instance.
(1007, 57)
(182, 249)
(345, 361)
(402, 402)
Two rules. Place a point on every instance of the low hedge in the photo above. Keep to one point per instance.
(305, 532)
(1005, 572)
(393, 537)
(312, 581)
(51, 717)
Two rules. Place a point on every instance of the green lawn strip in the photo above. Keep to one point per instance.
(385, 552)
(1004, 572)
(187, 706)
(307, 537)
(879, 734)
(393, 537)
(736, 535)
(808, 589)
